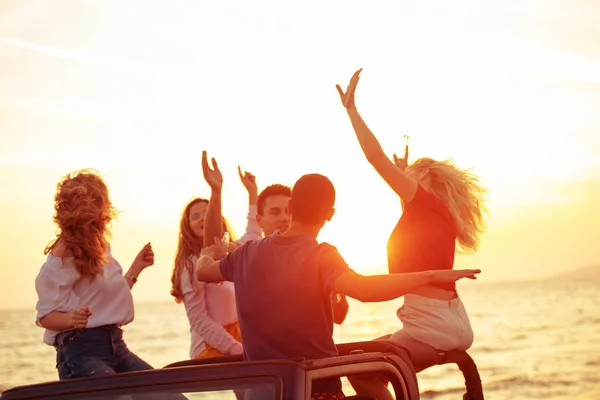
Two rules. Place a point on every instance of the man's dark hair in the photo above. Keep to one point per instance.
(313, 198)
(272, 190)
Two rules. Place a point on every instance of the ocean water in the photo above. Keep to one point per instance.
(537, 340)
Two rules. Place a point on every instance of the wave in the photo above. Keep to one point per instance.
(506, 383)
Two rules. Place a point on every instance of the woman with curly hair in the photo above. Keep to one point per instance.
(210, 307)
(443, 211)
(83, 297)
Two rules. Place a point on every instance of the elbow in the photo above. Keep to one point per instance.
(40, 322)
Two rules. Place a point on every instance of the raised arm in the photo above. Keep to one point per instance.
(402, 184)
(253, 230)
(378, 288)
(213, 221)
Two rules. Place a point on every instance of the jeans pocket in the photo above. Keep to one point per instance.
(64, 339)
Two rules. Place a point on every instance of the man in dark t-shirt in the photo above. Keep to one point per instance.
(284, 282)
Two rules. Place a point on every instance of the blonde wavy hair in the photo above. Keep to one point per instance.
(83, 215)
(462, 193)
(188, 246)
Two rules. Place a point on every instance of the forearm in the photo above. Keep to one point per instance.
(132, 274)
(252, 198)
(253, 230)
(377, 288)
(211, 332)
(216, 336)
(56, 321)
(208, 270)
(213, 225)
(368, 142)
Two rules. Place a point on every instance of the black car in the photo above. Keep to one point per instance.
(233, 378)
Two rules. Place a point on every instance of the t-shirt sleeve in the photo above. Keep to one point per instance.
(233, 261)
(331, 266)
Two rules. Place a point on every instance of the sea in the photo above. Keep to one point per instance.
(533, 340)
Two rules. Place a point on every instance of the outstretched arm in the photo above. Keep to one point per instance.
(378, 288)
(402, 184)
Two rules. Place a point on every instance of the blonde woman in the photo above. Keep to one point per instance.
(83, 297)
(443, 206)
(210, 307)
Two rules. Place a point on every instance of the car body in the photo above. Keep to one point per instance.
(224, 377)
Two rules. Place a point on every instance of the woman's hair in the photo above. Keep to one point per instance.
(188, 245)
(83, 214)
(462, 193)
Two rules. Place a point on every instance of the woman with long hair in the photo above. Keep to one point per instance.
(443, 212)
(84, 299)
(210, 307)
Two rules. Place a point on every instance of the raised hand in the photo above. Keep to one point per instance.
(402, 163)
(213, 176)
(449, 275)
(248, 180)
(145, 257)
(348, 97)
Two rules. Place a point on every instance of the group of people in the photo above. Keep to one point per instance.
(275, 292)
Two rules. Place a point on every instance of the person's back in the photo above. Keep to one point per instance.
(283, 286)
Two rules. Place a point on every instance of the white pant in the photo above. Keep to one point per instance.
(441, 324)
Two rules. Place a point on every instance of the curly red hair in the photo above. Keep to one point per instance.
(83, 215)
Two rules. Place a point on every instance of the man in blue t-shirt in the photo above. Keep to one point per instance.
(284, 282)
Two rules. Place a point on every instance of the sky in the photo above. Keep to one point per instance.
(138, 89)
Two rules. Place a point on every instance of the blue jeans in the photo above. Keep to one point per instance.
(94, 352)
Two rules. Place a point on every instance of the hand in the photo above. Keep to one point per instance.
(144, 259)
(449, 275)
(233, 246)
(213, 176)
(214, 251)
(78, 319)
(348, 97)
(249, 181)
(402, 163)
(236, 348)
